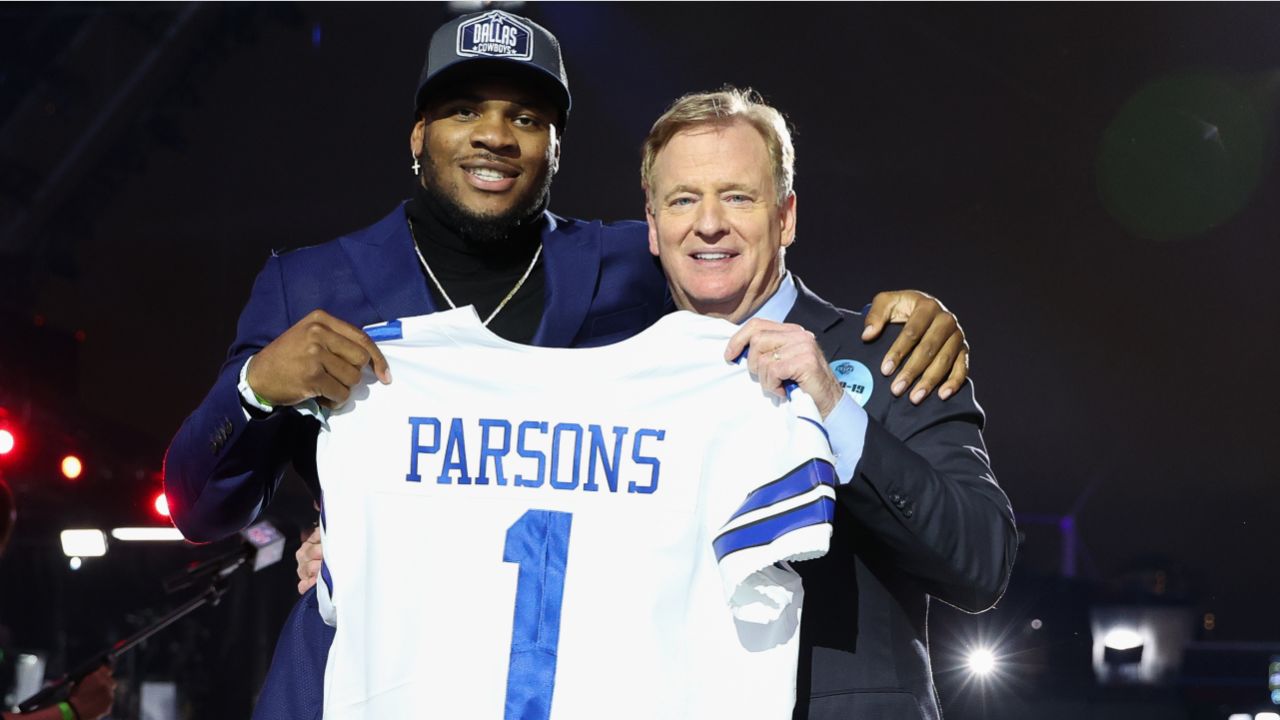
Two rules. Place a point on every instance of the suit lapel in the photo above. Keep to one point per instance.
(387, 268)
(817, 316)
(571, 261)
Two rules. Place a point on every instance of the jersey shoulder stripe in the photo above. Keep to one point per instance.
(392, 330)
(767, 530)
(798, 481)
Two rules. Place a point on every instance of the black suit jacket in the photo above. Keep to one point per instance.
(922, 518)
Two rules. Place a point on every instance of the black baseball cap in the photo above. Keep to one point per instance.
(500, 43)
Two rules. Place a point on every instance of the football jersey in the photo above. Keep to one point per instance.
(525, 533)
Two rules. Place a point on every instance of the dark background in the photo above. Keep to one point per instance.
(1090, 187)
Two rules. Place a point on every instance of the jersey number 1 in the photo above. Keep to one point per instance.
(539, 544)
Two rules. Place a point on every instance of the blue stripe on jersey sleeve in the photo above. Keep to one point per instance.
(324, 575)
(386, 331)
(799, 481)
(763, 532)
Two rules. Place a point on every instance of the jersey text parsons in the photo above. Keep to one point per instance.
(564, 456)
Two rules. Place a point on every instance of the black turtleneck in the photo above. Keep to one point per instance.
(482, 273)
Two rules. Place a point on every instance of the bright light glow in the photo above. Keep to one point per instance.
(982, 662)
(75, 563)
(84, 543)
(7, 442)
(1036, 624)
(72, 467)
(1239, 716)
(146, 534)
(1123, 639)
(1266, 716)
(161, 504)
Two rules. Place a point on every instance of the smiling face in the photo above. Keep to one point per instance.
(715, 222)
(489, 151)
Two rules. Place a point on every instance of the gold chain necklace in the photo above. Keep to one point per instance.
(449, 300)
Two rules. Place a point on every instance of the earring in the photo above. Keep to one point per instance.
(417, 169)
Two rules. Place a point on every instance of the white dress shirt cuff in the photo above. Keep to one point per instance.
(250, 399)
(247, 395)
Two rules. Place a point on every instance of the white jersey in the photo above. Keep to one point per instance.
(524, 533)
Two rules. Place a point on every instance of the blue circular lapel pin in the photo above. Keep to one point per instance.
(855, 378)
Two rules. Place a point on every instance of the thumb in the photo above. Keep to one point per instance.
(876, 314)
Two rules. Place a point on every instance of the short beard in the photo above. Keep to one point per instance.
(476, 227)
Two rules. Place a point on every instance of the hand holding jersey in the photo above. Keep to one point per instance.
(319, 357)
(310, 555)
(782, 353)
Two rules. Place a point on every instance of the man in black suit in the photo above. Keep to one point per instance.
(920, 515)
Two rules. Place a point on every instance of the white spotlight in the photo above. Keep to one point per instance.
(982, 662)
(1122, 639)
(147, 534)
(84, 543)
(75, 563)
(1266, 716)
(1239, 716)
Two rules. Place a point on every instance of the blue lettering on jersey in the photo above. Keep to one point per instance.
(560, 430)
(600, 456)
(558, 466)
(455, 455)
(416, 447)
(524, 451)
(641, 434)
(487, 450)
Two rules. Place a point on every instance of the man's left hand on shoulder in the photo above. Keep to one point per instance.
(931, 339)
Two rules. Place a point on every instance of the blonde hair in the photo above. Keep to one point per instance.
(722, 108)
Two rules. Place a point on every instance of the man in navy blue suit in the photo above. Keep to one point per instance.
(492, 103)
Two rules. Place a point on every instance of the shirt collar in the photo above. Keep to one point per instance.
(779, 305)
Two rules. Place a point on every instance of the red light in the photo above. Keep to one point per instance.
(72, 468)
(7, 442)
(161, 505)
